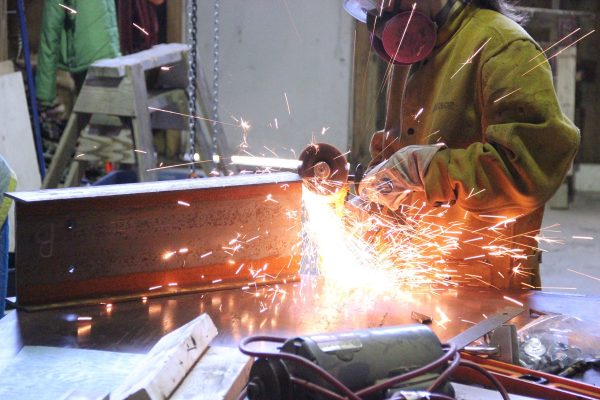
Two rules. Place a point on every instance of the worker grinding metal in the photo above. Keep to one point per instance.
(473, 124)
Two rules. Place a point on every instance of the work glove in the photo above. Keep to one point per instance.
(389, 182)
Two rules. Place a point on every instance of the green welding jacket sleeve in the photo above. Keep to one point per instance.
(527, 144)
(49, 53)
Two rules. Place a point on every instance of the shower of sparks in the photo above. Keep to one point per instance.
(166, 67)
(582, 274)
(418, 114)
(506, 95)
(289, 13)
(140, 151)
(183, 203)
(559, 52)
(175, 165)
(517, 302)
(69, 9)
(84, 318)
(168, 255)
(141, 29)
(560, 41)
(194, 116)
(287, 103)
(470, 59)
(583, 237)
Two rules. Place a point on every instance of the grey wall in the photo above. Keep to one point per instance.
(270, 47)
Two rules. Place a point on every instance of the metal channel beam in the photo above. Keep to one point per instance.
(136, 239)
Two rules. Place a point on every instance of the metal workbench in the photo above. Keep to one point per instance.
(135, 326)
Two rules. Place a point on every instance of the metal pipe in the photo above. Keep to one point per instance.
(37, 137)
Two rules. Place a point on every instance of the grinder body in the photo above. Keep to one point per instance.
(357, 359)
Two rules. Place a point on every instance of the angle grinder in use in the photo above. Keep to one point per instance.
(322, 167)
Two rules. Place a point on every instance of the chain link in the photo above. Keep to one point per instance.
(191, 88)
(215, 82)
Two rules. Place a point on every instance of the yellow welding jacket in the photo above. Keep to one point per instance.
(487, 93)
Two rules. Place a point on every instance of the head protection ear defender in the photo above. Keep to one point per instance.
(402, 38)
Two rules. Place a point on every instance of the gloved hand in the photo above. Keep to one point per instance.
(384, 144)
(392, 180)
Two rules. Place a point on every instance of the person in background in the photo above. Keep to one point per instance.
(474, 137)
(8, 183)
(75, 33)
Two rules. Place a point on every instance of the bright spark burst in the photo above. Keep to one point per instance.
(559, 52)
(69, 9)
(517, 302)
(506, 95)
(141, 29)
(582, 274)
(558, 42)
(470, 59)
(287, 103)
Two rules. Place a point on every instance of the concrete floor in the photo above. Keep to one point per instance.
(581, 219)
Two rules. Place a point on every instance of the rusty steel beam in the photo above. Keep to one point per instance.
(124, 241)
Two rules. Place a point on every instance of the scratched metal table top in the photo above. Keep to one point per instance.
(289, 309)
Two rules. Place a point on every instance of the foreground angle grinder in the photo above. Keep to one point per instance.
(381, 363)
(322, 167)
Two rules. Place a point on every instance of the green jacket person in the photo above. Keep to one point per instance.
(75, 33)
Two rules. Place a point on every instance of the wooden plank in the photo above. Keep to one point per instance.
(142, 130)
(157, 56)
(113, 148)
(112, 96)
(220, 374)
(123, 240)
(169, 361)
(176, 11)
(16, 138)
(6, 67)
(66, 146)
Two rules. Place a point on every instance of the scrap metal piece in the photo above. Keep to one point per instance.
(420, 318)
(485, 326)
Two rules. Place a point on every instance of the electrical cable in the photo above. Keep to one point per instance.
(440, 380)
(488, 375)
(451, 354)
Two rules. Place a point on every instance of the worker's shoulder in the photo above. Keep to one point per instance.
(501, 30)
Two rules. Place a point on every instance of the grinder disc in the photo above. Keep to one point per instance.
(324, 168)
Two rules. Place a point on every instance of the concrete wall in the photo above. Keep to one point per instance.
(271, 47)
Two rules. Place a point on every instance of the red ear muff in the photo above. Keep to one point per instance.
(418, 41)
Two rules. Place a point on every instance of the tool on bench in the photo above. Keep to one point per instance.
(384, 363)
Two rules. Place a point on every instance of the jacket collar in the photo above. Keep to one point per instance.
(459, 14)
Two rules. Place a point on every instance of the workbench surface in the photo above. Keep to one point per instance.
(136, 326)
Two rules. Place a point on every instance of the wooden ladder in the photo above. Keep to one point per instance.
(118, 90)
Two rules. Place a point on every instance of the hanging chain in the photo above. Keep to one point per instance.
(191, 88)
(215, 82)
